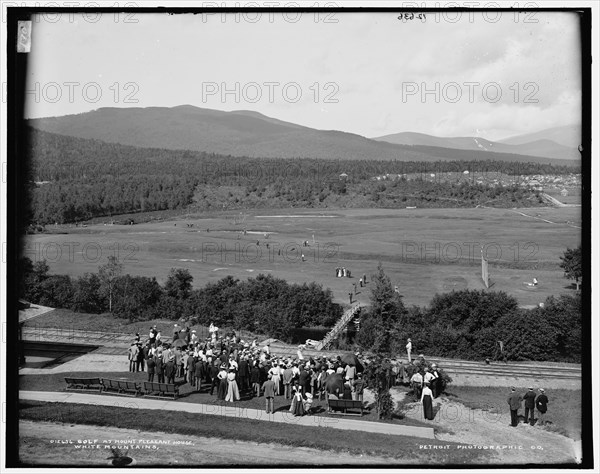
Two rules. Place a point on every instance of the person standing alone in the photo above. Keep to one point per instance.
(409, 349)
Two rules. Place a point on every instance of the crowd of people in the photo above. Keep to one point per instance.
(231, 368)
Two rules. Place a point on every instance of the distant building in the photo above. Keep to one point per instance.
(564, 192)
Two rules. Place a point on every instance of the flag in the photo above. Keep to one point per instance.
(484, 271)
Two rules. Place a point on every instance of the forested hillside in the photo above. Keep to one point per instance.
(73, 179)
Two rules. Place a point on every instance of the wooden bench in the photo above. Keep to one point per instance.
(84, 385)
(161, 390)
(122, 387)
(345, 405)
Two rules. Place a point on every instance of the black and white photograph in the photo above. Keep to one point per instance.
(308, 235)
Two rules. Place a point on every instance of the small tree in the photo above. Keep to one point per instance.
(386, 309)
(377, 375)
(109, 273)
(571, 264)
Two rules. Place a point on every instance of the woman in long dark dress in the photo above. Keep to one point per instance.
(297, 406)
(222, 376)
(426, 400)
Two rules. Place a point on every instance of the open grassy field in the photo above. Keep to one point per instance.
(424, 251)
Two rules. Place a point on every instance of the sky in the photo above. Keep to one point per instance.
(495, 75)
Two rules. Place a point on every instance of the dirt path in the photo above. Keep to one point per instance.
(478, 429)
(164, 449)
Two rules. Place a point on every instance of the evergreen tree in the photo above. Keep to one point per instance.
(571, 264)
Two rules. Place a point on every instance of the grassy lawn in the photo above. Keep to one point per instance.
(396, 447)
(56, 383)
(426, 251)
(564, 406)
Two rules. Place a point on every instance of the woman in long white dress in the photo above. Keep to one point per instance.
(233, 394)
(275, 373)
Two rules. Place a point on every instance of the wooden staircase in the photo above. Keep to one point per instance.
(339, 327)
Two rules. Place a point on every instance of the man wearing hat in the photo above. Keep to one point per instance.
(514, 402)
(133, 354)
(529, 398)
(269, 391)
(170, 369)
(541, 403)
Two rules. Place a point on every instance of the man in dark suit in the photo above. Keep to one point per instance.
(304, 380)
(243, 373)
(159, 369)
(213, 372)
(529, 398)
(170, 369)
(541, 403)
(514, 402)
(151, 368)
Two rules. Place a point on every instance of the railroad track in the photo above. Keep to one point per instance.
(500, 369)
(117, 344)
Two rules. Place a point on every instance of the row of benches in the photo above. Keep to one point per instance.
(123, 387)
(343, 405)
(167, 390)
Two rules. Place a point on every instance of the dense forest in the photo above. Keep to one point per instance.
(72, 179)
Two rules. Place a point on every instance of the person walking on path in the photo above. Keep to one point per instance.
(514, 402)
(269, 390)
(529, 398)
(541, 403)
(427, 401)
(409, 349)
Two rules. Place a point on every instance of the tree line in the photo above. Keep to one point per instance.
(74, 179)
(264, 304)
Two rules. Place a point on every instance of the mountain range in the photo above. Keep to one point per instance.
(249, 133)
(558, 142)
